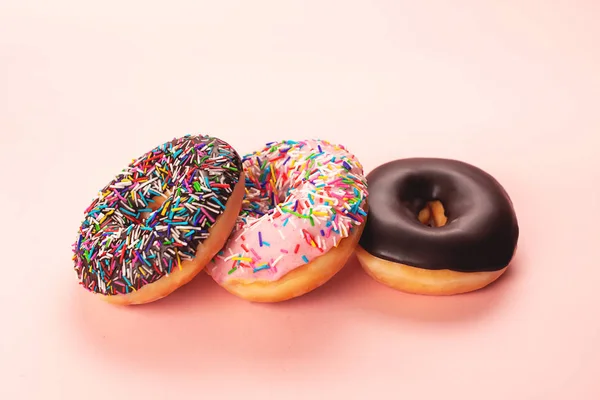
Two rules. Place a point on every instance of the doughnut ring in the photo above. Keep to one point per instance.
(437, 227)
(302, 216)
(160, 221)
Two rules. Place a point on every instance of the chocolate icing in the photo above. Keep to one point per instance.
(482, 229)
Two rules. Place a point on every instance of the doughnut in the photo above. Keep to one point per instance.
(301, 219)
(160, 221)
(436, 227)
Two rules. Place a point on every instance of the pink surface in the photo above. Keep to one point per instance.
(510, 86)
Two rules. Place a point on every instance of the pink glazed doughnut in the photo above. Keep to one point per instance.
(302, 217)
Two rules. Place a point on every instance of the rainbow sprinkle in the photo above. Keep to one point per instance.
(154, 214)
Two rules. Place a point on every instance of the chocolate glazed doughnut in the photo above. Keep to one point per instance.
(436, 226)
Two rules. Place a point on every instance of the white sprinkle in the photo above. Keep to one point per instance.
(255, 224)
(320, 242)
(189, 207)
(277, 260)
(230, 257)
(345, 230)
(186, 227)
(160, 262)
(209, 208)
(143, 185)
(120, 185)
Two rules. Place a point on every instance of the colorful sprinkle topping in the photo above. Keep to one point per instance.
(302, 198)
(154, 214)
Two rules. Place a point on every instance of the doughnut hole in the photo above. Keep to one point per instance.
(155, 203)
(433, 214)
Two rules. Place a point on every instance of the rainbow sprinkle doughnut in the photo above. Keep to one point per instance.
(302, 199)
(181, 187)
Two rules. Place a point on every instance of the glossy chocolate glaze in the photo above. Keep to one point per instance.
(482, 229)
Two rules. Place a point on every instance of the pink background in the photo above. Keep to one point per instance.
(511, 86)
